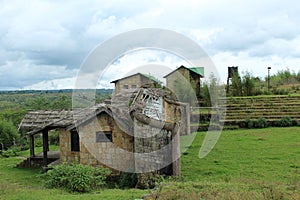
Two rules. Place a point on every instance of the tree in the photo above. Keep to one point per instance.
(211, 91)
(248, 84)
(236, 85)
(8, 134)
(62, 102)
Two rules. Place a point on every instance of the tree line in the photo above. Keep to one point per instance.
(14, 106)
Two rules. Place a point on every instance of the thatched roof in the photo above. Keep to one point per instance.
(122, 108)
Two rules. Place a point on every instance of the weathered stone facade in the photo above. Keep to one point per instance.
(99, 153)
(134, 82)
(153, 148)
(150, 148)
(66, 155)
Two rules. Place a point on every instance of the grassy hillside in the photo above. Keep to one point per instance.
(245, 164)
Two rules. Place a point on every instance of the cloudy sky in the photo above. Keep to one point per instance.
(43, 43)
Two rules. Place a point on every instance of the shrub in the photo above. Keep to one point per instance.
(148, 180)
(297, 123)
(128, 180)
(76, 177)
(249, 123)
(284, 122)
(14, 151)
(260, 123)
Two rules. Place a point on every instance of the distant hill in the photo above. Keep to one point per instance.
(98, 91)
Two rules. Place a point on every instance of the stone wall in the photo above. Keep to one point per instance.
(130, 81)
(66, 155)
(111, 154)
(116, 154)
(153, 148)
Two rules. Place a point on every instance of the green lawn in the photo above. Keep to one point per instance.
(253, 164)
(271, 154)
(245, 164)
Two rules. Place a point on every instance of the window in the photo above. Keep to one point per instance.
(125, 86)
(133, 86)
(104, 136)
(74, 141)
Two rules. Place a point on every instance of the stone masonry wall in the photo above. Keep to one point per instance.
(133, 80)
(116, 154)
(136, 80)
(66, 155)
(153, 148)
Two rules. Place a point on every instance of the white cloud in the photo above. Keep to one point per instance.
(20, 73)
(154, 62)
(40, 38)
(64, 83)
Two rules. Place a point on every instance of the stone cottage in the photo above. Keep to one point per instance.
(138, 131)
(135, 81)
(184, 78)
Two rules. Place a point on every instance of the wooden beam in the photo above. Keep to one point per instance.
(31, 145)
(176, 151)
(45, 148)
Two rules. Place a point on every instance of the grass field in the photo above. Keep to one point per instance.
(245, 164)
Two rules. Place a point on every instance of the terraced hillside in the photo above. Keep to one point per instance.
(240, 109)
(272, 108)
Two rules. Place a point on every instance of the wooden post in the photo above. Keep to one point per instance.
(45, 148)
(31, 144)
(176, 151)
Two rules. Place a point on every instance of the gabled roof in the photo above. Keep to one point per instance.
(152, 78)
(197, 70)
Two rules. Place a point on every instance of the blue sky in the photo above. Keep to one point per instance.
(43, 43)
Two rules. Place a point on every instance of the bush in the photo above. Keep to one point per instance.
(14, 151)
(284, 122)
(76, 177)
(128, 180)
(149, 180)
(249, 123)
(296, 123)
(260, 123)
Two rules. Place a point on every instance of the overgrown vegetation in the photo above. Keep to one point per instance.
(282, 83)
(127, 180)
(76, 177)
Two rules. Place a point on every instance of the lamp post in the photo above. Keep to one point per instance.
(269, 78)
